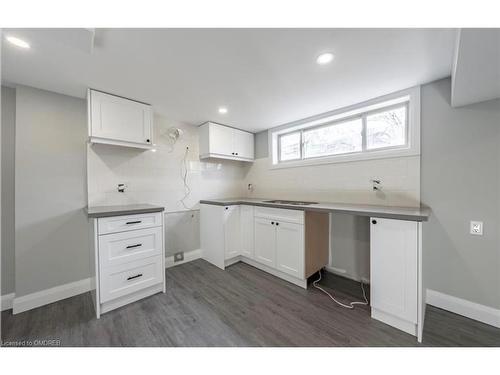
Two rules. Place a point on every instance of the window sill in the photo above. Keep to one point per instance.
(347, 158)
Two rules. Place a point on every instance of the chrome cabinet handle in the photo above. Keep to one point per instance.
(132, 246)
(134, 277)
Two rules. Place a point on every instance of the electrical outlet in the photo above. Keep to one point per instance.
(476, 228)
(178, 257)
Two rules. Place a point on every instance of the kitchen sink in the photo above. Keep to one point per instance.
(297, 203)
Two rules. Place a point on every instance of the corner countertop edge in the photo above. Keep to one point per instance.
(131, 209)
(388, 212)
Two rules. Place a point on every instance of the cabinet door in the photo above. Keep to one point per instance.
(232, 238)
(243, 144)
(212, 234)
(290, 249)
(247, 231)
(221, 140)
(120, 119)
(265, 242)
(393, 267)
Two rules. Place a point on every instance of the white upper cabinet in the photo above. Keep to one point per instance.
(119, 121)
(223, 142)
(243, 144)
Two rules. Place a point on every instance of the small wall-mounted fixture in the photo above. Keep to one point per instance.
(376, 185)
(250, 187)
(121, 188)
(476, 228)
(174, 134)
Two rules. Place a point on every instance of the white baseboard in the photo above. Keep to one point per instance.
(394, 321)
(44, 297)
(7, 301)
(189, 256)
(472, 310)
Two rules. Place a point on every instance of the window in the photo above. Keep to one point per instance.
(340, 138)
(376, 129)
(386, 129)
(290, 146)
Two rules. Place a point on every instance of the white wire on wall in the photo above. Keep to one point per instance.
(184, 175)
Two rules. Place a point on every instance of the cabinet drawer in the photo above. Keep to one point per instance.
(280, 214)
(129, 222)
(128, 278)
(123, 247)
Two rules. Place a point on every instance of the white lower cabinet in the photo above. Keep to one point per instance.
(394, 272)
(125, 279)
(129, 259)
(265, 242)
(268, 238)
(247, 231)
(232, 237)
(290, 248)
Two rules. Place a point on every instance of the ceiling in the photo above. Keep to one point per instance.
(265, 77)
(476, 70)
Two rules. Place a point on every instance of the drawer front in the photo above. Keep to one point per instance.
(130, 277)
(124, 247)
(280, 214)
(130, 222)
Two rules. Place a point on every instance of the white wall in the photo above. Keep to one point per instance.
(8, 188)
(341, 182)
(51, 225)
(156, 178)
(461, 182)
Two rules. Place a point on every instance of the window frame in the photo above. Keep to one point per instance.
(409, 98)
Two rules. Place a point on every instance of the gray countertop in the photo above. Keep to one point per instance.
(401, 213)
(129, 209)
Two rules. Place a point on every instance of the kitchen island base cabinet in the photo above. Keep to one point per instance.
(395, 250)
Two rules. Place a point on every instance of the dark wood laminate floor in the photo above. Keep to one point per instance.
(242, 306)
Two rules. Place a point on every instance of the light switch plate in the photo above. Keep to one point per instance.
(476, 228)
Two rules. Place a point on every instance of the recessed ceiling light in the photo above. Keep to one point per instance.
(324, 58)
(222, 110)
(18, 42)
